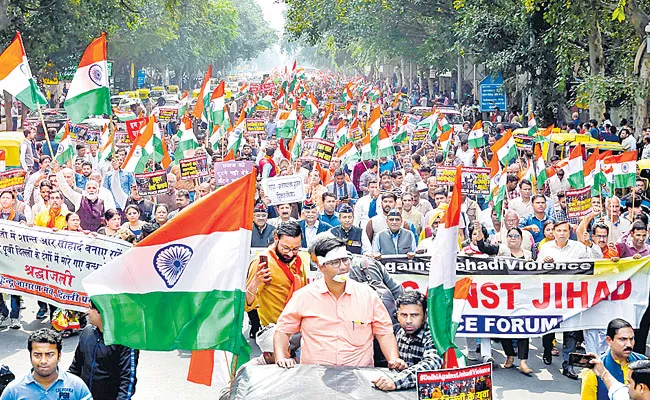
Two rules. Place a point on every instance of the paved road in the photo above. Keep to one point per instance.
(162, 375)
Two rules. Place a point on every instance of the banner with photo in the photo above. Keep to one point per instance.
(51, 265)
(518, 298)
(466, 383)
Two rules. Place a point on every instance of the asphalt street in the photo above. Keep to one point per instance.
(162, 375)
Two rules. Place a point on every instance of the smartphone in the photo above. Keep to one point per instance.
(264, 259)
(581, 360)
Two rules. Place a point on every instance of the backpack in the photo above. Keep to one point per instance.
(382, 291)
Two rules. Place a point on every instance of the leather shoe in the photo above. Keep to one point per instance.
(570, 374)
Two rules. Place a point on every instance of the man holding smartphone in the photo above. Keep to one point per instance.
(620, 339)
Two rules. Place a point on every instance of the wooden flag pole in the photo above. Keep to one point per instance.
(47, 136)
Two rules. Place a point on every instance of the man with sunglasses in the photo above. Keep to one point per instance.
(336, 316)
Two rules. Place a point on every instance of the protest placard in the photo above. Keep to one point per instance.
(578, 202)
(514, 298)
(309, 124)
(83, 134)
(152, 183)
(51, 265)
(523, 142)
(474, 382)
(12, 180)
(255, 126)
(267, 87)
(133, 127)
(167, 113)
(318, 150)
(420, 135)
(229, 171)
(284, 189)
(475, 180)
(254, 88)
(194, 167)
(356, 134)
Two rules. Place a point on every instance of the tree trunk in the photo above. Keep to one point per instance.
(430, 84)
(5, 21)
(596, 64)
(460, 76)
(640, 118)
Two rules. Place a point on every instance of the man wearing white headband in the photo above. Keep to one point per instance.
(336, 316)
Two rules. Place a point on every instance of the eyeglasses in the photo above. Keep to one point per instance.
(287, 249)
(337, 263)
(514, 236)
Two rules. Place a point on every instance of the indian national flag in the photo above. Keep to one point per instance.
(590, 169)
(182, 109)
(347, 93)
(266, 102)
(495, 175)
(445, 141)
(402, 132)
(89, 93)
(234, 137)
(203, 98)
(341, 134)
(124, 116)
(167, 292)
(540, 166)
(65, 151)
(321, 130)
(599, 177)
(217, 102)
(623, 168)
(348, 153)
(398, 96)
(16, 77)
(443, 124)
(296, 143)
(106, 140)
(505, 148)
(574, 168)
(480, 162)
(374, 125)
(532, 125)
(476, 137)
(446, 300)
(187, 139)
(286, 123)
(142, 150)
(311, 106)
(385, 144)
(367, 152)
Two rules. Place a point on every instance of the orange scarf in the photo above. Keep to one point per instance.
(295, 279)
(51, 223)
(12, 215)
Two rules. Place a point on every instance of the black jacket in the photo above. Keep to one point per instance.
(109, 371)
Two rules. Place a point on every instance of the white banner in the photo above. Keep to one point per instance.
(284, 189)
(51, 265)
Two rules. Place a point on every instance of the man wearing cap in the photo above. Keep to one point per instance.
(347, 231)
(336, 316)
(309, 224)
(395, 239)
(262, 233)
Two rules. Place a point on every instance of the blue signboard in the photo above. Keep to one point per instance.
(493, 93)
(141, 75)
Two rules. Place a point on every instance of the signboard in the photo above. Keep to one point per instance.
(229, 171)
(194, 167)
(514, 298)
(109, 68)
(167, 113)
(420, 135)
(51, 265)
(318, 150)
(151, 183)
(267, 87)
(467, 383)
(12, 180)
(255, 126)
(81, 133)
(284, 189)
(142, 74)
(493, 93)
(475, 180)
(578, 202)
(53, 81)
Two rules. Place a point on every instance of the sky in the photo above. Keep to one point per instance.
(273, 13)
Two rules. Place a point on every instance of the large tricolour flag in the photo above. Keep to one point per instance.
(623, 168)
(203, 98)
(16, 77)
(444, 304)
(575, 170)
(182, 287)
(89, 93)
(505, 149)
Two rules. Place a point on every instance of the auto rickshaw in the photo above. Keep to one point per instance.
(10, 144)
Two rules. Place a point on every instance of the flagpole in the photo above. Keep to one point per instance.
(47, 137)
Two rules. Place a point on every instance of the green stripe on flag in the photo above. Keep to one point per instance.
(93, 102)
(440, 304)
(137, 318)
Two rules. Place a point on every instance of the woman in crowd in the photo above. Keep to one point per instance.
(160, 215)
(314, 190)
(113, 223)
(547, 228)
(131, 230)
(73, 222)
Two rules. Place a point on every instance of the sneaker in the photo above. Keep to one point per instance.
(15, 323)
(488, 360)
(472, 355)
(3, 319)
(41, 314)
